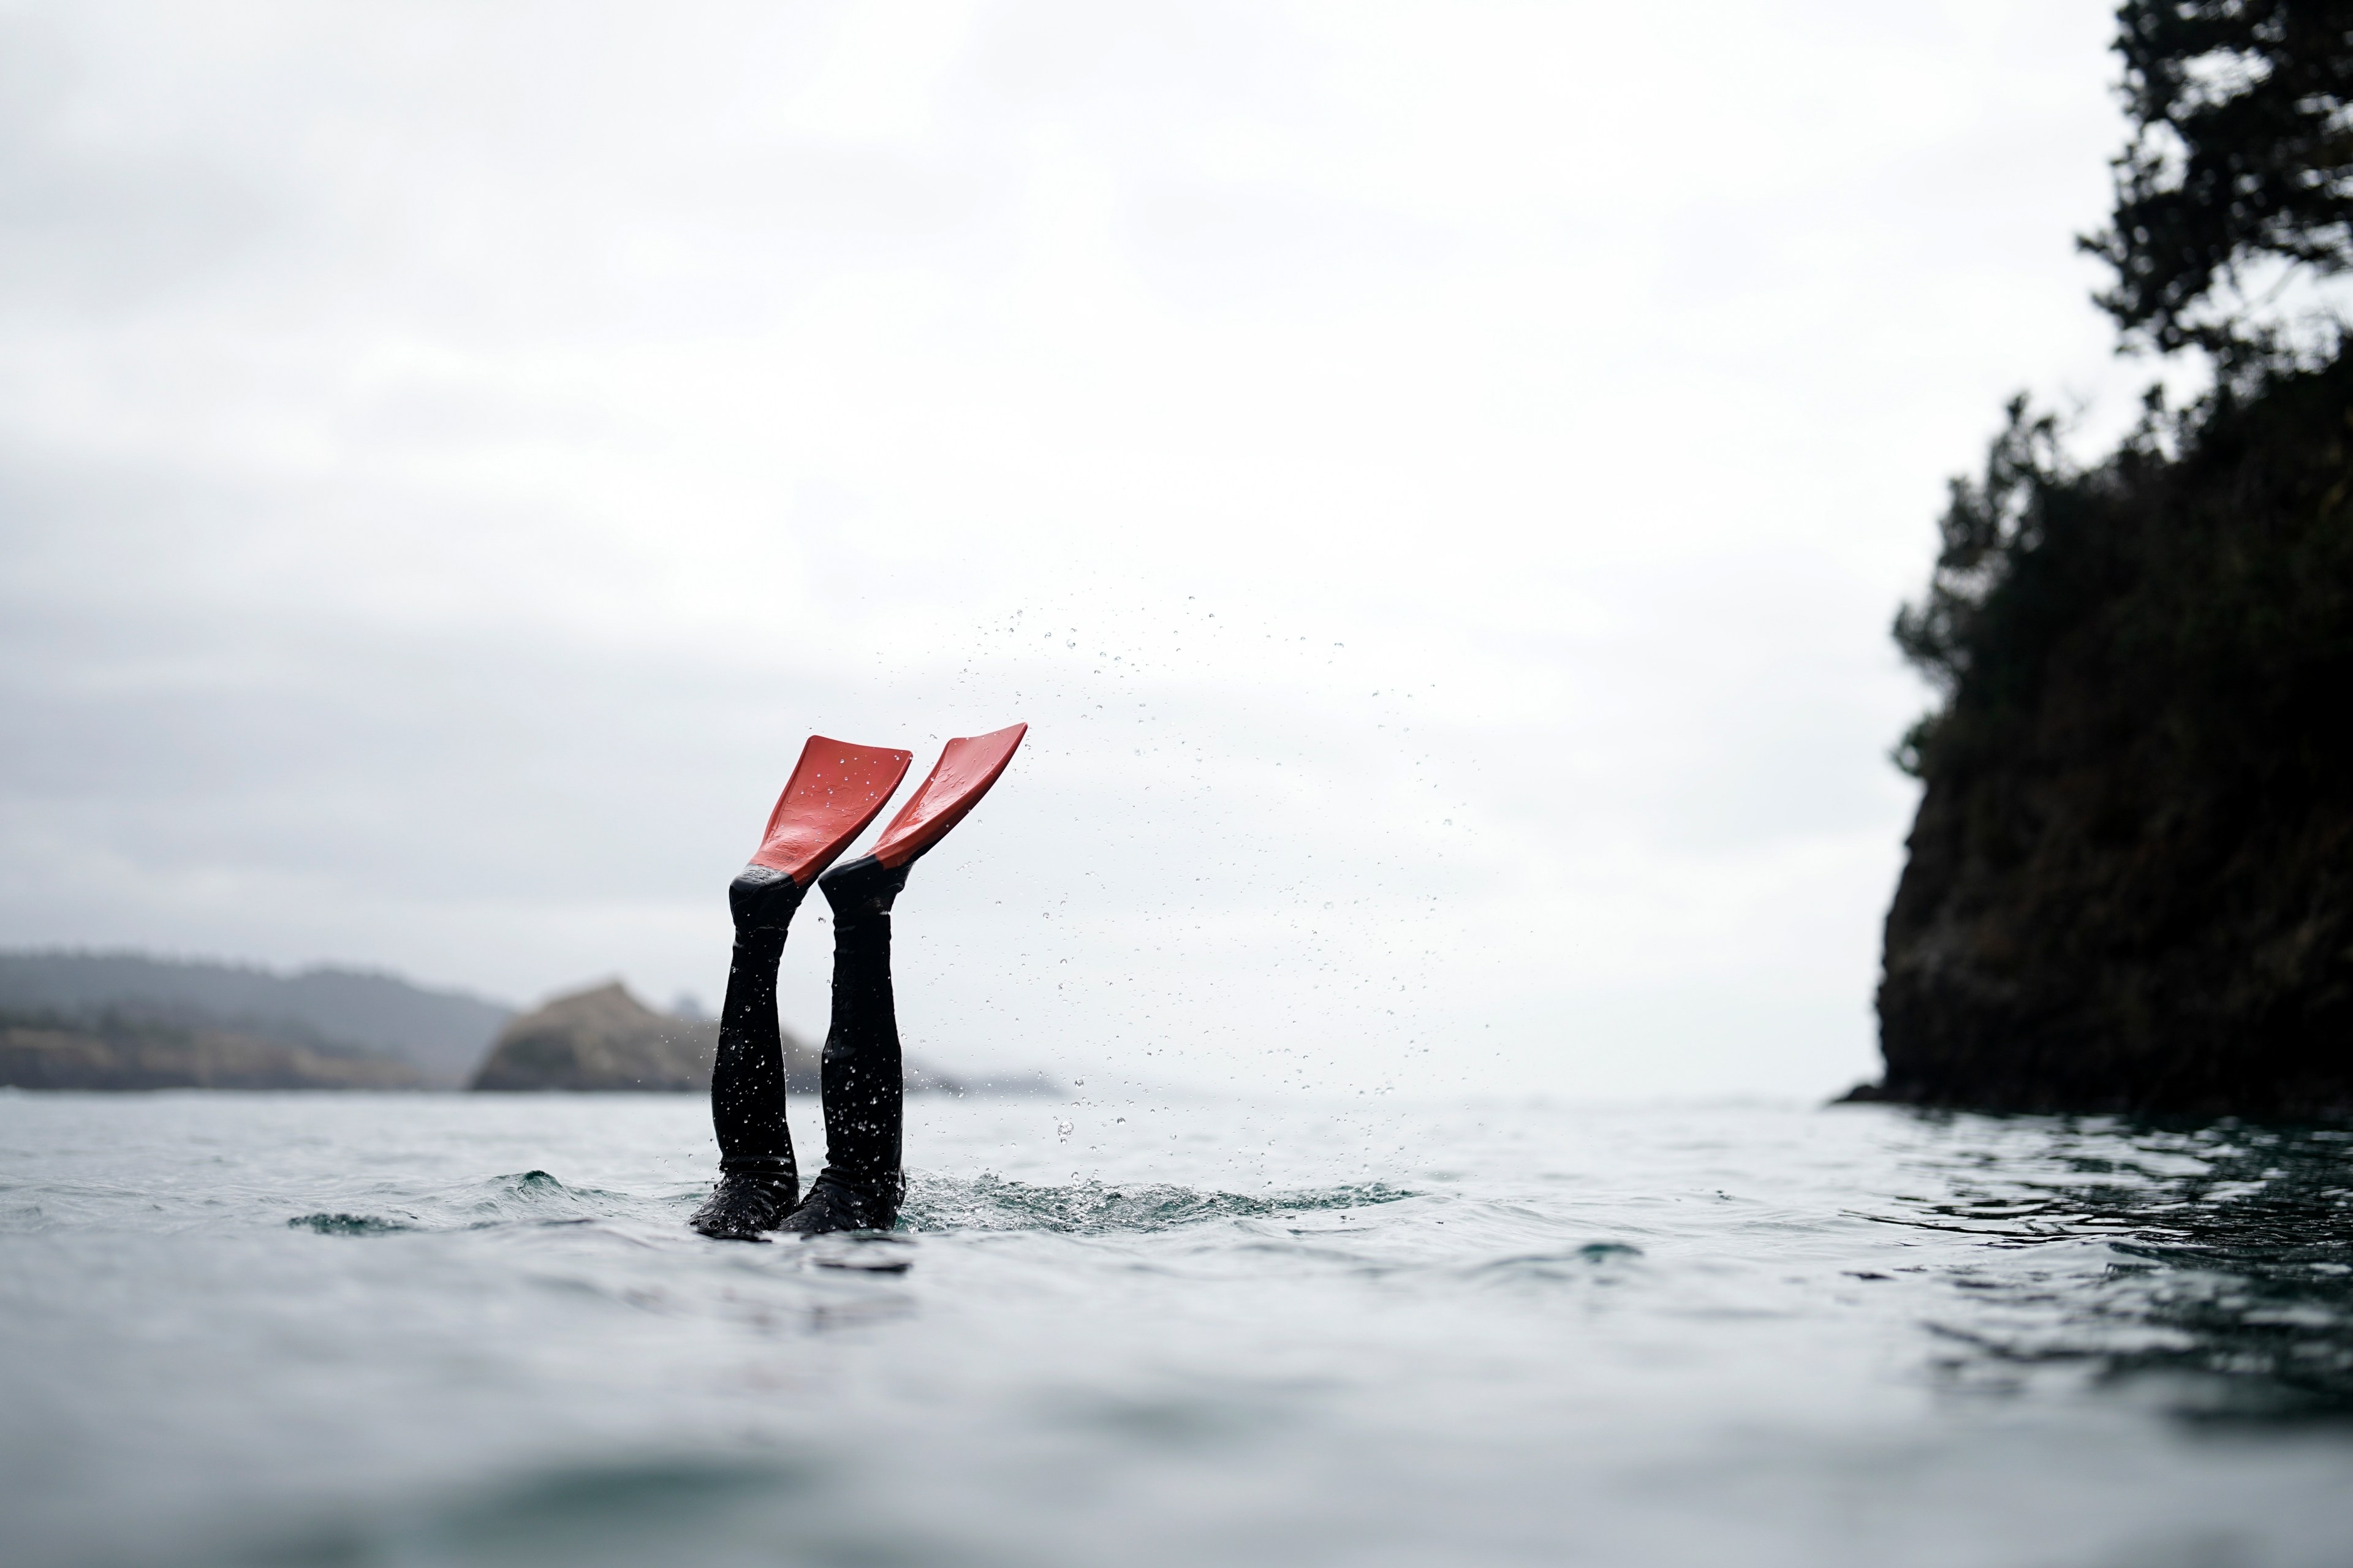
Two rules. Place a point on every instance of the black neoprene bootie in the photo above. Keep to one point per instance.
(746, 1203)
(864, 888)
(835, 1205)
(762, 898)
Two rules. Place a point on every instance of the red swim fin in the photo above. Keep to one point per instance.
(966, 768)
(836, 788)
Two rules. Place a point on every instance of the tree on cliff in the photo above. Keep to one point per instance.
(2240, 158)
(2242, 152)
(2130, 883)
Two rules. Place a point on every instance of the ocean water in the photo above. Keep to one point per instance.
(413, 1329)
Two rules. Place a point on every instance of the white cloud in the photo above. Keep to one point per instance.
(1434, 477)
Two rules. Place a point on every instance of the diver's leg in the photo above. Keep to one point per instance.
(863, 1082)
(758, 1182)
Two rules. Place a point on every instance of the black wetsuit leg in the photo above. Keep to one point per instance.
(758, 1181)
(747, 1080)
(861, 1076)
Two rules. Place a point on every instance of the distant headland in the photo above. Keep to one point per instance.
(129, 1021)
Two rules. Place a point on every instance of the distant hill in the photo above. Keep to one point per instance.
(317, 1015)
(116, 1053)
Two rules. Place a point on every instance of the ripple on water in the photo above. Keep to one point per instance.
(1596, 1260)
(2212, 1266)
(1095, 1208)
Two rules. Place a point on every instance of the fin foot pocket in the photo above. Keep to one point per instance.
(762, 898)
(863, 887)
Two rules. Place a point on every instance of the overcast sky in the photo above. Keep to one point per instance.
(1435, 477)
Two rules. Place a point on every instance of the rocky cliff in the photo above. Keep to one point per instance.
(2130, 881)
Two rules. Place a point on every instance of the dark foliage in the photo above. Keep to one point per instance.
(2241, 151)
(1989, 522)
(2219, 579)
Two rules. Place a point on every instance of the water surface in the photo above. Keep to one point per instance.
(407, 1329)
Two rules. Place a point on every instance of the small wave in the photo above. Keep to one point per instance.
(520, 1198)
(1093, 1209)
(347, 1224)
(615, 1513)
(1574, 1263)
(535, 1197)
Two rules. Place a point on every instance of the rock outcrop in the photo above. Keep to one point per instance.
(605, 1039)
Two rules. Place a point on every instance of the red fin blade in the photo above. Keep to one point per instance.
(966, 768)
(836, 788)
